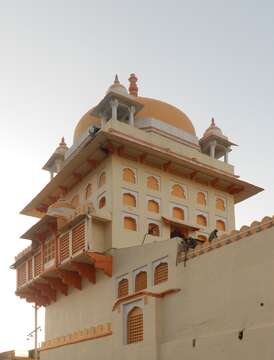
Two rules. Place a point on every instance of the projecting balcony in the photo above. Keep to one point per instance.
(59, 262)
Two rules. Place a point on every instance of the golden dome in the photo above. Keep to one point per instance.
(153, 108)
(166, 113)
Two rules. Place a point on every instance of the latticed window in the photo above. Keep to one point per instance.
(49, 250)
(141, 281)
(129, 176)
(178, 213)
(161, 273)
(178, 191)
(129, 200)
(153, 183)
(64, 247)
(21, 275)
(130, 223)
(37, 264)
(123, 288)
(135, 325)
(30, 270)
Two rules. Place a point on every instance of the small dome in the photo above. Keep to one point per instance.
(85, 122)
(213, 130)
(118, 87)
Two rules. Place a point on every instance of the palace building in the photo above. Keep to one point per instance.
(124, 256)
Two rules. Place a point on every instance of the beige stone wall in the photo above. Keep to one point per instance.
(224, 291)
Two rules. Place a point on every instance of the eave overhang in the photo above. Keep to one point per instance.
(80, 163)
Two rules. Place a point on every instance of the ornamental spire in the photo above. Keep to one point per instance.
(133, 88)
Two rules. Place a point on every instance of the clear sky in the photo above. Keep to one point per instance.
(209, 58)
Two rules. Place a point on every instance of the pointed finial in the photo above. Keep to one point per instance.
(133, 88)
(116, 80)
(63, 142)
(213, 122)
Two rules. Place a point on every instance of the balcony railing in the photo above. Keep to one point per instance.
(69, 245)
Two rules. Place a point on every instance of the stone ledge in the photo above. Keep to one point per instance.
(234, 235)
(91, 333)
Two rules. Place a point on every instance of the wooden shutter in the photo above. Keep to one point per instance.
(64, 247)
(135, 326)
(78, 238)
(141, 281)
(123, 288)
(161, 273)
(21, 275)
(37, 264)
(30, 270)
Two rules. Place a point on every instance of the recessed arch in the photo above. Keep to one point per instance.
(129, 175)
(102, 202)
(130, 223)
(153, 206)
(102, 179)
(220, 225)
(129, 199)
(178, 191)
(178, 213)
(220, 204)
(161, 273)
(153, 183)
(122, 287)
(201, 198)
(201, 220)
(153, 229)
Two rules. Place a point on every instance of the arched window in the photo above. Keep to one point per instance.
(201, 220)
(153, 229)
(178, 191)
(153, 183)
(161, 273)
(88, 191)
(129, 176)
(75, 201)
(141, 281)
(153, 206)
(135, 325)
(130, 223)
(201, 198)
(220, 225)
(129, 199)
(178, 213)
(102, 202)
(202, 238)
(220, 204)
(102, 179)
(123, 288)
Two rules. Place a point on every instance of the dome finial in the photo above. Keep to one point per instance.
(213, 122)
(133, 88)
(116, 80)
(63, 141)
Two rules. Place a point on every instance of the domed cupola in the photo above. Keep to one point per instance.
(214, 143)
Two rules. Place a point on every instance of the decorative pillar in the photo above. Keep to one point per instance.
(131, 115)
(51, 174)
(226, 155)
(103, 120)
(114, 107)
(212, 149)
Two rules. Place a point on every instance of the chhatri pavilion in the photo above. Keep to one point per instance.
(135, 254)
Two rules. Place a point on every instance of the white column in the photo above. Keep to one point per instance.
(114, 106)
(226, 155)
(131, 115)
(212, 148)
(103, 120)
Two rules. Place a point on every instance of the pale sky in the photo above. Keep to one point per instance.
(209, 58)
